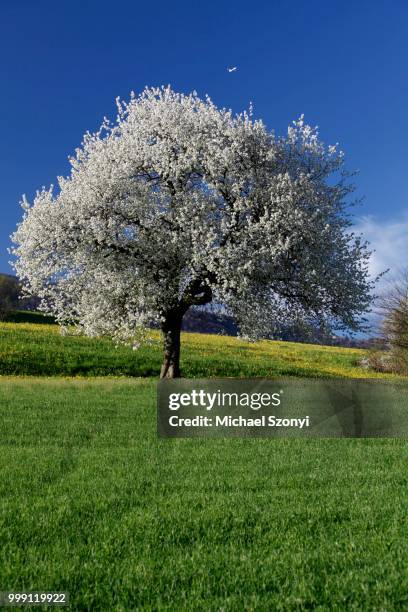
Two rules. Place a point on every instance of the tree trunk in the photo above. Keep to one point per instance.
(197, 293)
(171, 332)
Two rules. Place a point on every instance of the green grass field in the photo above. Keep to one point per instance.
(40, 350)
(94, 504)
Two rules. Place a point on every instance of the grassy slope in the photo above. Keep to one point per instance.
(39, 349)
(94, 504)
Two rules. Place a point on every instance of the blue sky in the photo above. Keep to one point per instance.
(342, 63)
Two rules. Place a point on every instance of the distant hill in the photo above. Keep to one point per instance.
(10, 296)
(202, 321)
(205, 322)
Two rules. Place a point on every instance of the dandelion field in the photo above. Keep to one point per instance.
(40, 350)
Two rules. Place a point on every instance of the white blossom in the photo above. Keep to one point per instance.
(180, 203)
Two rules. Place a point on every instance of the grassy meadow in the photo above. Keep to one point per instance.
(40, 350)
(94, 504)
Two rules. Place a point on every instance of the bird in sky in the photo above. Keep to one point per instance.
(232, 69)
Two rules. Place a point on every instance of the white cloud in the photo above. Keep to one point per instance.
(389, 241)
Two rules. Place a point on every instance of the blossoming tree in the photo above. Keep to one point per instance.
(179, 203)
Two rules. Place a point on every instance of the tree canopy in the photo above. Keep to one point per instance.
(179, 203)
